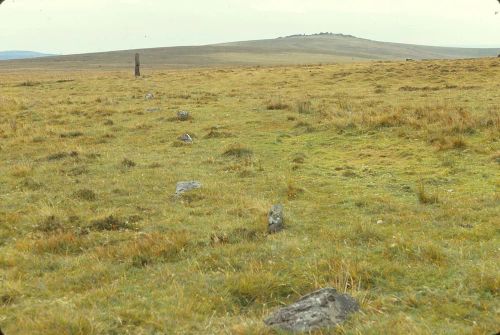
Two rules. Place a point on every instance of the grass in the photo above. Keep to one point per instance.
(424, 197)
(390, 195)
(238, 151)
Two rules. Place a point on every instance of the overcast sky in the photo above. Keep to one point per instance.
(74, 26)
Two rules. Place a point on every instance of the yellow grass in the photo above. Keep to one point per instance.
(388, 171)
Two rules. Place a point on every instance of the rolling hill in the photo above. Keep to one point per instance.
(297, 49)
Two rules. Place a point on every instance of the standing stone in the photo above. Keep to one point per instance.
(184, 186)
(186, 138)
(137, 66)
(275, 219)
(183, 116)
(321, 309)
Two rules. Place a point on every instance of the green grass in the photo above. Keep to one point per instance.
(93, 240)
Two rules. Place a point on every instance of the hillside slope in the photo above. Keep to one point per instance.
(290, 50)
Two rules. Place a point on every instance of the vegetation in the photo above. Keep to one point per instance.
(390, 191)
(298, 49)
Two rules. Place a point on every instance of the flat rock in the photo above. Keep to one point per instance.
(183, 116)
(185, 186)
(186, 138)
(325, 308)
(276, 219)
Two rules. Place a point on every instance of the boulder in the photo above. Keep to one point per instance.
(185, 186)
(183, 116)
(321, 309)
(275, 219)
(186, 138)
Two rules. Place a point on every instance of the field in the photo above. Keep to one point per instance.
(388, 171)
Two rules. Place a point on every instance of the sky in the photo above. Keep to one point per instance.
(73, 26)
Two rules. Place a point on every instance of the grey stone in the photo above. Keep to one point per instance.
(321, 309)
(184, 186)
(276, 219)
(153, 110)
(149, 96)
(183, 116)
(186, 138)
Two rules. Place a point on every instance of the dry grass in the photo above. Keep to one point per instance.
(388, 172)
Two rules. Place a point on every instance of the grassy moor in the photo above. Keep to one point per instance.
(388, 171)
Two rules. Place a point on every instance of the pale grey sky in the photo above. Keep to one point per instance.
(75, 26)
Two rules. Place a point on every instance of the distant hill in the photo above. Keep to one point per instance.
(8, 55)
(296, 49)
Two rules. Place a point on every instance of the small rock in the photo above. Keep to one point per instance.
(183, 116)
(380, 222)
(275, 219)
(153, 110)
(186, 138)
(184, 186)
(321, 309)
(149, 96)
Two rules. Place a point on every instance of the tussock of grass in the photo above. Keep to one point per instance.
(299, 158)
(425, 197)
(57, 156)
(218, 134)
(413, 88)
(72, 134)
(51, 224)
(306, 127)
(29, 83)
(60, 243)
(237, 235)
(304, 107)
(22, 170)
(86, 194)
(293, 191)
(238, 151)
(31, 184)
(110, 223)
(127, 163)
(147, 249)
(249, 288)
(277, 104)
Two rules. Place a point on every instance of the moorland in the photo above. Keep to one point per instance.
(388, 172)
